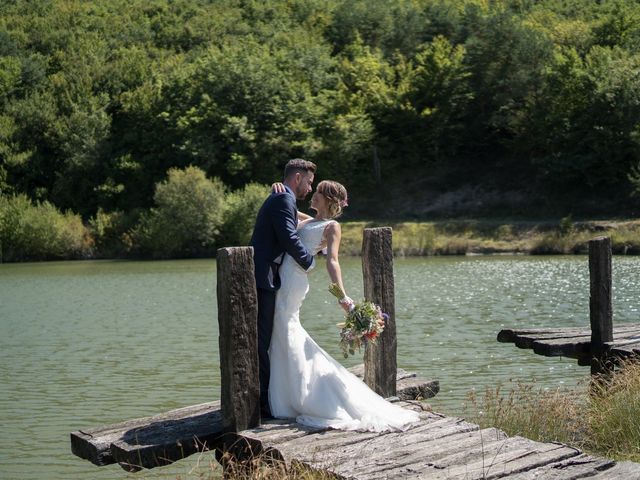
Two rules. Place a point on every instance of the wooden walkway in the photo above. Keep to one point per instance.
(161, 439)
(574, 342)
(438, 447)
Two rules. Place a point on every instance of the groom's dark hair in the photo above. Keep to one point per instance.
(298, 165)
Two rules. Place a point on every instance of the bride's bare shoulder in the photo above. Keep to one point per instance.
(332, 227)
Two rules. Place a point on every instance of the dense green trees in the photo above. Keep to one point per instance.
(99, 100)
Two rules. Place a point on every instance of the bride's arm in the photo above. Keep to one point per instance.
(333, 234)
(303, 216)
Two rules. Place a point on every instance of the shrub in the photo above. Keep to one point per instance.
(110, 232)
(40, 231)
(625, 240)
(504, 232)
(414, 239)
(240, 214)
(186, 222)
(566, 226)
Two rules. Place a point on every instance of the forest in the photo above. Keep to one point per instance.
(153, 128)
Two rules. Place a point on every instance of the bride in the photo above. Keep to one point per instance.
(306, 382)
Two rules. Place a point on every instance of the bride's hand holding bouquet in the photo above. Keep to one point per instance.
(364, 322)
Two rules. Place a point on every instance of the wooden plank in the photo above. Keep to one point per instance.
(358, 371)
(166, 441)
(416, 388)
(272, 434)
(623, 335)
(573, 468)
(94, 444)
(340, 447)
(566, 347)
(509, 335)
(278, 431)
(400, 458)
(408, 385)
(622, 342)
(620, 471)
(238, 338)
(625, 350)
(514, 455)
(569, 342)
(377, 271)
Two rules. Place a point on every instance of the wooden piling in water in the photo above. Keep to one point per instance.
(600, 309)
(380, 360)
(237, 320)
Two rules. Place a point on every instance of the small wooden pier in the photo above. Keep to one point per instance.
(436, 447)
(574, 342)
(161, 439)
(601, 345)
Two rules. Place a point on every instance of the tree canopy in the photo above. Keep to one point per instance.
(100, 99)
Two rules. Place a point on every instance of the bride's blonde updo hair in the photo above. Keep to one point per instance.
(336, 195)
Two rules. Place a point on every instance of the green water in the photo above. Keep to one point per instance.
(88, 343)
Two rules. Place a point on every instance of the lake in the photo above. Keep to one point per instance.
(93, 342)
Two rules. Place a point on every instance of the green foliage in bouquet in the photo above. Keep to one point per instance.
(364, 323)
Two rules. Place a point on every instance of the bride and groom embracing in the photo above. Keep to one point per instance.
(298, 379)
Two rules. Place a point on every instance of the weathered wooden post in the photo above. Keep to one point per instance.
(600, 310)
(380, 362)
(237, 320)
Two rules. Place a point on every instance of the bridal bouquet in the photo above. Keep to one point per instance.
(364, 323)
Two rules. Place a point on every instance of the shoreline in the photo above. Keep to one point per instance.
(471, 237)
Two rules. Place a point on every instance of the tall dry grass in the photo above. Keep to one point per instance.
(602, 419)
(614, 415)
(266, 467)
(530, 411)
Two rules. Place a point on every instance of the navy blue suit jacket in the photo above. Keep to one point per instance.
(274, 234)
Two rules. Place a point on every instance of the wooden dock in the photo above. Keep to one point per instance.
(161, 439)
(574, 342)
(600, 345)
(438, 447)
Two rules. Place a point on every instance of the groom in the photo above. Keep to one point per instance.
(274, 234)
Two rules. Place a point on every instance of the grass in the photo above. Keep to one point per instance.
(603, 421)
(267, 469)
(484, 237)
(256, 465)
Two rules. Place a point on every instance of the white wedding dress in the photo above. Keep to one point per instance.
(306, 382)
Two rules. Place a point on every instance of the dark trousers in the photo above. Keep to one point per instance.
(266, 308)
